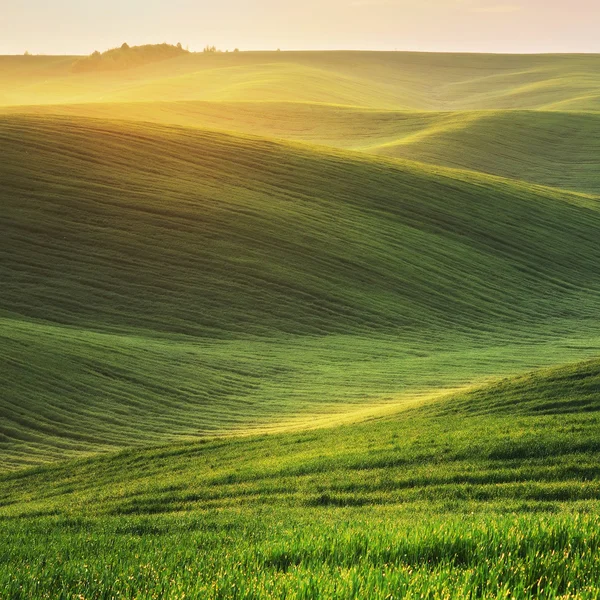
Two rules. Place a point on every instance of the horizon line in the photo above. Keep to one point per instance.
(338, 50)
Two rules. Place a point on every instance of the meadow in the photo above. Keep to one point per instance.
(300, 325)
(481, 494)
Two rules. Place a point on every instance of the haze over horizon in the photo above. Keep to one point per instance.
(503, 26)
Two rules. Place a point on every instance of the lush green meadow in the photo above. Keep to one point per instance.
(172, 283)
(515, 144)
(300, 325)
(491, 493)
(333, 553)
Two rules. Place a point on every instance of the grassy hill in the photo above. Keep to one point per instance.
(271, 325)
(557, 149)
(532, 438)
(392, 80)
(162, 282)
(500, 115)
(503, 479)
(550, 148)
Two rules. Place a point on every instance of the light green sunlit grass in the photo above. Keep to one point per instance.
(488, 494)
(382, 80)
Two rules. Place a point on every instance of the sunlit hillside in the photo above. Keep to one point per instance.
(492, 490)
(452, 110)
(550, 148)
(380, 80)
(162, 282)
(305, 325)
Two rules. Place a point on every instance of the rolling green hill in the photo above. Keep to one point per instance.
(556, 149)
(272, 325)
(531, 118)
(492, 493)
(392, 80)
(532, 438)
(162, 282)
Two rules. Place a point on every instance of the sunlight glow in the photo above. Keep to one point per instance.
(81, 26)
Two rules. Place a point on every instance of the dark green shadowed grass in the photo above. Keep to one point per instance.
(162, 283)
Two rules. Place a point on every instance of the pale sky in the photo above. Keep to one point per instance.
(82, 26)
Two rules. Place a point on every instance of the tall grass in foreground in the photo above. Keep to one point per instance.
(332, 553)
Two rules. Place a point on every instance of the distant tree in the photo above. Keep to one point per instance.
(126, 57)
(179, 46)
(210, 49)
(27, 53)
(236, 50)
(278, 49)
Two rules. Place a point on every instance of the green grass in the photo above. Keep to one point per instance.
(288, 555)
(557, 149)
(492, 493)
(548, 148)
(271, 326)
(531, 440)
(531, 118)
(162, 282)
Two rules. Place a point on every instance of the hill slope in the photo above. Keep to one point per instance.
(556, 149)
(162, 282)
(493, 492)
(532, 439)
(171, 294)
(383, 80)
(531, 118)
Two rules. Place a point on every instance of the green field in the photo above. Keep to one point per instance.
(301, 325)
(491, 493)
